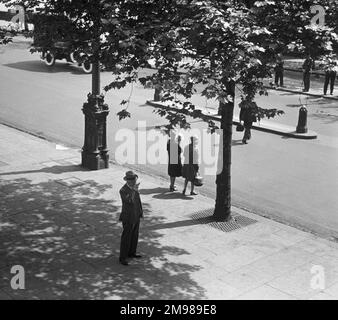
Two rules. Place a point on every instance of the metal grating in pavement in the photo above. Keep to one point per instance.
(238, 221)
(70, 182)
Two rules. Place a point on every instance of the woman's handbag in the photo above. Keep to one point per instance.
(198, 181)
(240, 128)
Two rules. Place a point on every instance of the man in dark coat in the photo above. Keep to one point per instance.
(130, 216)
(174, 160)
(247, 115)
(279, 71)
(308, 66)
(331, 69)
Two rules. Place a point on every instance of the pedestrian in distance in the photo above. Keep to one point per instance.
(331, 69)
(308, 67)
(191, 164)
(279, 71)
(174, 160)
(130, 216)
(247, 116)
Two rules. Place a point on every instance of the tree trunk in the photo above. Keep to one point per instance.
(223, 180)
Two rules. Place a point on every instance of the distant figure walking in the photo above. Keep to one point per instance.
(191, 164)
(247, 116)
(130, 216)
(331, 69)
(308, 67)
(279, 71)
(174, 160)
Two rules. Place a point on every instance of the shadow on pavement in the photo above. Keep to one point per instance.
(164, 194)
(153, 191)
(180, 224)
(67, 239)
(237, 142)
(54, 170)
(325, 117)
(39, 66)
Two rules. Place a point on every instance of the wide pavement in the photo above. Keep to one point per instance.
(60, 222)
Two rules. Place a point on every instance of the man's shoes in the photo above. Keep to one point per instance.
(193, 193)
(137, 256)
(124, 262)
(244, 142)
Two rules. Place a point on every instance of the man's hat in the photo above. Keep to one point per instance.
(130, 175)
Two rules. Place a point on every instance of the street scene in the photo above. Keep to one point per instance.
(97, 203)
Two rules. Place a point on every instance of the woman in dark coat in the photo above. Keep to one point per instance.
(191, 164)
(247, 116)
(174, 161)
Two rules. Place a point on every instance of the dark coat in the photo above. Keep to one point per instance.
(247, 115)
(131, 205)
(279, 65)
(174, 162)
(308, 65)
(191, 163)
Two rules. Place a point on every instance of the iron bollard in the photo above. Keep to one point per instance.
(302, 121)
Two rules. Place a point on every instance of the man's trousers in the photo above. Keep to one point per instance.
(279, 77)
(129, 239)
(330, 77)
(306, 79)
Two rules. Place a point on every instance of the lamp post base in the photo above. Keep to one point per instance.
(94, 161)
(94, 152)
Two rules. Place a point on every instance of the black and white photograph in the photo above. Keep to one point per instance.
(183, 152)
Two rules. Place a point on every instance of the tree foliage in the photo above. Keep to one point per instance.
(196, 46)
(7, 33)
(295, 28)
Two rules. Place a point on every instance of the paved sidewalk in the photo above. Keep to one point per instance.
(297, 89)
(60, 222)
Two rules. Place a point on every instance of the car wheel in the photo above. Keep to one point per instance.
(73, 55)
(49, 59)
(87, 66)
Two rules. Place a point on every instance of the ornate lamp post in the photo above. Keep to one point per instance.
(94, 152)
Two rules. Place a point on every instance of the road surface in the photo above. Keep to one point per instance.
(294, 181)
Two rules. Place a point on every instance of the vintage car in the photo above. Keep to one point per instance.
(51, 39)
(65, 50)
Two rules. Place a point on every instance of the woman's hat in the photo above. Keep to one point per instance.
(130, 175)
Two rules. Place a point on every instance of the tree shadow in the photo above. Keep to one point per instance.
(40, 67)
(67, 239)
(54, 170)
